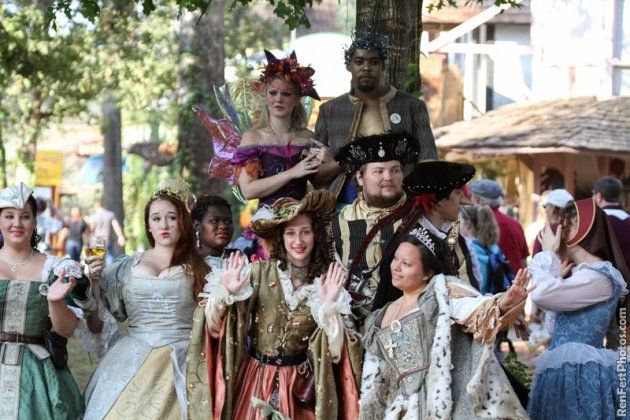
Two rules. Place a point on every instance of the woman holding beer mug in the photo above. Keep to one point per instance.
(142, 373)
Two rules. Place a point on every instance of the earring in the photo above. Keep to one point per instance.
(198, 241)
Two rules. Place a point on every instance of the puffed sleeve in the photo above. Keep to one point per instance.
(112, 283)
(553, 293)
(477, 314)
(248, 158)
(217, 299)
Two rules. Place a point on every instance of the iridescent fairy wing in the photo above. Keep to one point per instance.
(240, 102)
(225, 140)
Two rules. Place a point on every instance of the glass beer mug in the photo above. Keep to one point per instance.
(97, 246)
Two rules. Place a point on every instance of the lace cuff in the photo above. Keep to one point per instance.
(215, 291)
(324, 313)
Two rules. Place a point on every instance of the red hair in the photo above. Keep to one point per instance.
(185, 252)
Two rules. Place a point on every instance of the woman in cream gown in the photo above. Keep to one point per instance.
(142, 374)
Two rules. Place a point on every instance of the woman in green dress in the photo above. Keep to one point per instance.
(39, 300)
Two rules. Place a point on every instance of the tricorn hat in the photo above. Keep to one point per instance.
(267, 220)
(402, 147)
(438, 177)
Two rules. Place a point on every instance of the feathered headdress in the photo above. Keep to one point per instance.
(289, 69)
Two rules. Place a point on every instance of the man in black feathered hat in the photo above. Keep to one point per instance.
(377, 164)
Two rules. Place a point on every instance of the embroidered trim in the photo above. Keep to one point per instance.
(15, 303)
(9, 390)
(457, 292)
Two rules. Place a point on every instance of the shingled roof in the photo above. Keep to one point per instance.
(577, 124)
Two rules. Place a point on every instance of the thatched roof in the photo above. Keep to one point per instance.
(577, 124)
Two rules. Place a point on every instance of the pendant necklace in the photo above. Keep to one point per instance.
(396, 326)
(14, 265)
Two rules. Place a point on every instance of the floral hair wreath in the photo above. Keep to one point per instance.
(289, 69)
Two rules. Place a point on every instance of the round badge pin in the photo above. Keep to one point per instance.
(43, 289)
(395, 118)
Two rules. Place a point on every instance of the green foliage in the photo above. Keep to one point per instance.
(413, 79)
(518, 370)
(44, 76)
(254, 33)
(439, 4)
(292, 12)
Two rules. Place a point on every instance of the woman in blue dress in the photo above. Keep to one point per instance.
(577, 378)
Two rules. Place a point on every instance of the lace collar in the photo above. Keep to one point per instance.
(292, 296)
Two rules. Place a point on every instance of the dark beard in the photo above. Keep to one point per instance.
(381, 202)
(367, 87)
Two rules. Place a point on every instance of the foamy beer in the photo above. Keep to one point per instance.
(97, 246)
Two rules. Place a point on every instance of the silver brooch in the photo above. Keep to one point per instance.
(43, 289)
(395, 118)
(381, 151)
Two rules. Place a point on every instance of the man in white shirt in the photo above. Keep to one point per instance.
(101, 221)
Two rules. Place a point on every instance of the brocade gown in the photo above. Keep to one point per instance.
(142, 374)
(30, 385)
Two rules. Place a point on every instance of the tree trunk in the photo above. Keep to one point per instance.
(400, 21)
(112, 163)
(202, 43)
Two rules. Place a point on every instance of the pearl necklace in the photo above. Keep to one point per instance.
(14, 265)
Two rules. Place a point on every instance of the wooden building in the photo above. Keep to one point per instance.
(560, 143)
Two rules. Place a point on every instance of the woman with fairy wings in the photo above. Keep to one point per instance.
(264, 332)
(278, 156)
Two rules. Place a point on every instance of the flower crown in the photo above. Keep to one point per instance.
(423, 236)
(289, 69)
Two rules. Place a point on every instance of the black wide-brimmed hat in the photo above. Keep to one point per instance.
(438, 177)
(402, 147)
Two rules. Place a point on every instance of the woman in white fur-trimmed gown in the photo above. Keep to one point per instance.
(420, 362)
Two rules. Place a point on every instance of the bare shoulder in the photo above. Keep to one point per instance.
(304, 135)
(252, 137)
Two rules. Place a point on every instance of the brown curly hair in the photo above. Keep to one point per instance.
(320, 256)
